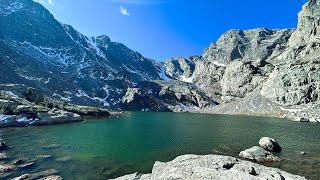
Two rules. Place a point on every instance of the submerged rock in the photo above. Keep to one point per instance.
(44, 156)
(18, 162)
(3, 145)
(51, 178)
(26, 165)
(258, 154)
(269, 144)
(3, 156)
(64, 159)
(214, 167)
(6, 167)
(38, 175)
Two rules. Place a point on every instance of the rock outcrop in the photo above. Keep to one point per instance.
(247, 45)
(166, 96)
(278, 67)
(213, 167)
(181, 68)
(21, 105)
(263, 152)
(258, 154)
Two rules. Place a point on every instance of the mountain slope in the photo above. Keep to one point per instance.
(39, 51)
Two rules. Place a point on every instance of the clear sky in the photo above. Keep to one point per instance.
(161, 29)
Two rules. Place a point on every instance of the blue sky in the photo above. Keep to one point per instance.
(161, 29)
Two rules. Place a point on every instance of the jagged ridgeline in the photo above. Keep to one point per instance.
(272, 72)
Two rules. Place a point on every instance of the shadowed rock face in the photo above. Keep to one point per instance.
(39, 51)
(166, 96)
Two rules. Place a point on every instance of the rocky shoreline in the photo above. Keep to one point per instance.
(214, 167)
(22, 106)
(217, 167)
(8, 167)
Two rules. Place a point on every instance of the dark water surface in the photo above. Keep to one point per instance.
(101, 149)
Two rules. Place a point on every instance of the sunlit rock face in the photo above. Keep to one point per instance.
(296, 80)
(181, 68)
(246, 45)
(308, 24)
(305, 41)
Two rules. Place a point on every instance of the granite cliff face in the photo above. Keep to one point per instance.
(280, 68)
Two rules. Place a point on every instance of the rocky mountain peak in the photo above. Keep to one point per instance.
(308, 25)
(103, 40)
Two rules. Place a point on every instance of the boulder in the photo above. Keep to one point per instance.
(213, 167)
(269, 144)
(258, 154)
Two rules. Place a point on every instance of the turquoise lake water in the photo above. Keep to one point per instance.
(102, 149)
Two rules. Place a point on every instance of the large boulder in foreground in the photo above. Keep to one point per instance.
(258, 154)
(213, 167)
(269, 144)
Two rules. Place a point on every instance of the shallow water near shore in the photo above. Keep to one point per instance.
(102, 149)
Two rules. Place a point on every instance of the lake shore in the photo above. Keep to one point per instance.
(214, 167)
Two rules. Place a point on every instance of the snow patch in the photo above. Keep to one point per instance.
(219, 64)
(187, 80)
(94, 46)
(10, 93)
(163, 74)
(47, 81)
(68, 99)
(30, 78)
(101, 100)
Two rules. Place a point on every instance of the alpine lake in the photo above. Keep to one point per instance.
(132, 142)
